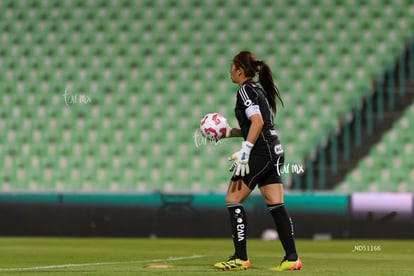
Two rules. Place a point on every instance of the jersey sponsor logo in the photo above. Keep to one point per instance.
(244, 96)
(278, 149)
(240, 232)
(240, 226)
(248, 102)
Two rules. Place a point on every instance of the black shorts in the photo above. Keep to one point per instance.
(263, 171)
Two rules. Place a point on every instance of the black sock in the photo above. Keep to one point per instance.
(284, 228)
(238, 228)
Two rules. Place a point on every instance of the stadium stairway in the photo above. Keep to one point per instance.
(391, 96)
(388, 167)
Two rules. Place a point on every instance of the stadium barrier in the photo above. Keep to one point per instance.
(360, 215)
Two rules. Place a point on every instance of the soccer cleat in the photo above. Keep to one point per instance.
(233, 263)
(286, 265)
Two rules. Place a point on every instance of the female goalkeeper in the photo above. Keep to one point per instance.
(257, 160)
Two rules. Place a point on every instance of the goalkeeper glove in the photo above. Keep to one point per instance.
(240, 165)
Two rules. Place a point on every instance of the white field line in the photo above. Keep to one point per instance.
(101, 263)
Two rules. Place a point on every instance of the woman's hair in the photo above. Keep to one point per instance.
(247, 61)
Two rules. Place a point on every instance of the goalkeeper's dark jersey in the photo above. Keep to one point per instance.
(251, 99)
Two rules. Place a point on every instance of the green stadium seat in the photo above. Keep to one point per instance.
(389, 167)
(151, 81)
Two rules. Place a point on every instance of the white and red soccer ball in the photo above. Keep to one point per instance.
(213, 126)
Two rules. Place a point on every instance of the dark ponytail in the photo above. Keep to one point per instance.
(247, 61)
(266, 80)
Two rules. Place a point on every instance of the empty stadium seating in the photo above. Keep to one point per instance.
(389, 165)
(106, 95)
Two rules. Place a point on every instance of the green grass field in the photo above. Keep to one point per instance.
(108, 256)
